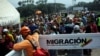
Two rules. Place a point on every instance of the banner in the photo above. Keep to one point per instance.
(66, 41)
(71, 41)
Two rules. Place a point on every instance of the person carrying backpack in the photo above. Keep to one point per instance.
(30, 43)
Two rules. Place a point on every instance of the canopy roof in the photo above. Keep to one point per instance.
(8, 14)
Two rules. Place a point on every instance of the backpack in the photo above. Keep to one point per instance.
(39, 52)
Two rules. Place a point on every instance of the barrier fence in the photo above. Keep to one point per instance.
(67, 41)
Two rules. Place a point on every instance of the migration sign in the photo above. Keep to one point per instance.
(66, 41)
(70, 41)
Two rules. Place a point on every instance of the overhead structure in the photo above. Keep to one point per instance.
(8, 14)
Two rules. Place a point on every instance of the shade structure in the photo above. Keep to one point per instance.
(8, 14)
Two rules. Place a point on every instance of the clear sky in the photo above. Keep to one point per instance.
(66, 2)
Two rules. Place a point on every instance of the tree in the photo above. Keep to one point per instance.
(30, 1)
(25, 2)
(49, 8)
(41, 2)
(81, 4)
(27, 10)
(92, 6)
(46, 8)
(96, 0)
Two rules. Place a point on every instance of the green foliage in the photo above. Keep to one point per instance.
(81, 4)
(48, 8)
(41, 2)
(92, 6)
(27, 10)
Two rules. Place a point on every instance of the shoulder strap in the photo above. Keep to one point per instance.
(34, 47)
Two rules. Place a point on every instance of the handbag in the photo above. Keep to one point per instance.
(40, 51)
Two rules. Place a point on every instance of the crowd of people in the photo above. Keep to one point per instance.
(50, 25)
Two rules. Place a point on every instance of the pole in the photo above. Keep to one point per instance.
(55, 5)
